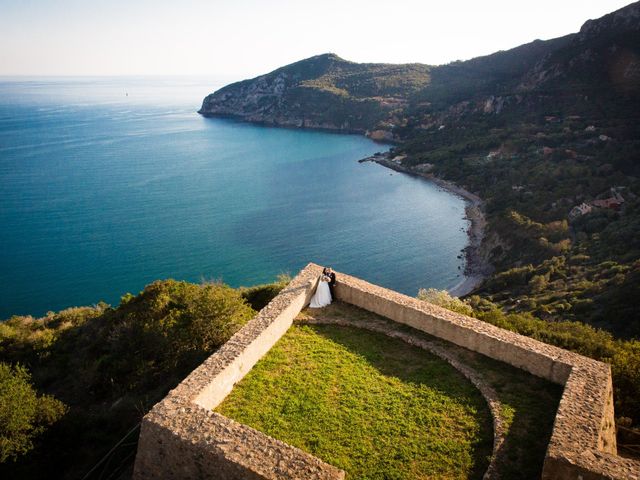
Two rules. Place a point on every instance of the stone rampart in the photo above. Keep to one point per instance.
(583, 443)
(183, 438)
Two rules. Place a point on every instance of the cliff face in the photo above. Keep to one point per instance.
(603, 55)
(627, 18)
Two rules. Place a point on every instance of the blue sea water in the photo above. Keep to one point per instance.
(107, 184)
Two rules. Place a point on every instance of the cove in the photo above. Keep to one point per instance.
(109, 184)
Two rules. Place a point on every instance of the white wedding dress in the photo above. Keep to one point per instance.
(322, 297)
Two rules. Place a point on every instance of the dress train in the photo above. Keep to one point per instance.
(322, 297)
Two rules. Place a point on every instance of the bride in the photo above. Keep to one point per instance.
(322, 297)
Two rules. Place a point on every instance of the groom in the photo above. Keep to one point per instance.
(332, 279)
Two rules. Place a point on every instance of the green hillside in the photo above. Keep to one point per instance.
(535, 131)
(324, 91)
(82, 379)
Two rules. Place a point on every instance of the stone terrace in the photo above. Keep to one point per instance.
(181, 437)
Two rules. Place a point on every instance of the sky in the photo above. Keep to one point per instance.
(245, 38)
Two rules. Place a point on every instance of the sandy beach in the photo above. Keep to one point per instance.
(475, 268)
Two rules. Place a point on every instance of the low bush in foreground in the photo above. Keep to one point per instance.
(109, 366)
(24, 414)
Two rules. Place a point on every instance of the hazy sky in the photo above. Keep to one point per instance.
(244, 38)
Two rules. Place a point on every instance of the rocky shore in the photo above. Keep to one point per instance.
(476, 268)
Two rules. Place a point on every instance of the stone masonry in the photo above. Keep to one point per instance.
(182, 438)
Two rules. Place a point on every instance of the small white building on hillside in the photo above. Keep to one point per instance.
(579, 210)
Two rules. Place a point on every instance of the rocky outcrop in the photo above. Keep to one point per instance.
(603, 55)
(324, 92)
(255, 99)
(627, 18)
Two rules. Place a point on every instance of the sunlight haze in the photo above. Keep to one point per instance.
(245, 38)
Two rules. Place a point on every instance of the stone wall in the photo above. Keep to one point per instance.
(183, 438)
(583, 443)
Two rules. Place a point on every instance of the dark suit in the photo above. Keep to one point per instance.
(332, 283)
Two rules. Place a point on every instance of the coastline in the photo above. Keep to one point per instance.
(476, 268)
(475, 271)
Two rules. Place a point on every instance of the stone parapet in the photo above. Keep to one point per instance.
(183, 438)
(583, 442)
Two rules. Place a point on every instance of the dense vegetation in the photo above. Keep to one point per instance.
(536, 131)
(98, 370)
(548, 264)
(23, 413)
(366, 403)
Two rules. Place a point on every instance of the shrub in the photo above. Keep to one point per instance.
(24, 415)
(443, 299)
(260, 295)
(170, 324)
(623, 355)
(110, 365)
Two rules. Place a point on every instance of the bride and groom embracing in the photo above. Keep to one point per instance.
(324, 291)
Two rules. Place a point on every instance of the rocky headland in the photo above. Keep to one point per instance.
(322, 92)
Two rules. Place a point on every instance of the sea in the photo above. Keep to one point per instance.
(107, 184)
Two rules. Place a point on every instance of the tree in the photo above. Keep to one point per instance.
(24, 414)
(443, 299)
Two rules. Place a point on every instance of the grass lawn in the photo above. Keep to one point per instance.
(369, 404)
(529, 406)
(528, 403)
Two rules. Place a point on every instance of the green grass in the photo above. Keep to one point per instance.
(529, 406)
(369, 404)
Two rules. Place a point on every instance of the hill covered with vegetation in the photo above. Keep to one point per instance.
(535, 131)
(74, 383)
(578, 72)
(324, 91)
(559, 134)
